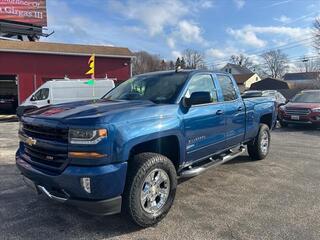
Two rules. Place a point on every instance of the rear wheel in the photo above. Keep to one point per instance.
(150, 188)
(259, 148)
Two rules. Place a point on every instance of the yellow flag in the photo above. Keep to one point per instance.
(91, 63)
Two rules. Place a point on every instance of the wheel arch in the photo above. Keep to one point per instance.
(167, 145)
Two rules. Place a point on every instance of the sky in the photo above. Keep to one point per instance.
(216, 28)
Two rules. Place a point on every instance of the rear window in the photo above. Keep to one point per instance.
(228, 90)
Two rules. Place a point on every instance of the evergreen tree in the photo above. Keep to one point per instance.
(178, 63)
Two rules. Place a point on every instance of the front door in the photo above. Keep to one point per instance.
(203, 124)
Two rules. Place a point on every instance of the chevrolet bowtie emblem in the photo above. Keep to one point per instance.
(30, 141)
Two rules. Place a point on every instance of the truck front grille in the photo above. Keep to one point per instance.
(50, 150)
(46, 157)
(48, 133)
(298, 111)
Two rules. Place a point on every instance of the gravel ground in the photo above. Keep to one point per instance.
(277, 198)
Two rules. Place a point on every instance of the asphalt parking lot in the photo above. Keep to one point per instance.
(277, 198)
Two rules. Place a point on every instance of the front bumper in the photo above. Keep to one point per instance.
(107, 184)
(310, 119)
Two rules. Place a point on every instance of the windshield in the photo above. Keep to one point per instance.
(307, 97)
(158, 88)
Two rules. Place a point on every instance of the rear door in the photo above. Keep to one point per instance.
(203, 124)
(234, 111)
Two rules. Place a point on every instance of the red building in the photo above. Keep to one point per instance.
(24, 66)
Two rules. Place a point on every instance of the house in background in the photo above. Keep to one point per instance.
(235, 69)
(302, 80)
(245, 81)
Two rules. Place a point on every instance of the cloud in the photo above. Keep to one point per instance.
(206, 4)
(190, 32)
(277, 3)
(171, 42)
(239, 3)
(249, 34)
(215, 53)
(283, 19)
(155, 15)
(176, 54)
(294, 32)
(247, 37)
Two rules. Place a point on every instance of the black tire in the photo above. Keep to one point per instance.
(139, 168)
(255, 149)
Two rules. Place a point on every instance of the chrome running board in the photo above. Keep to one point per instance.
(194, 171)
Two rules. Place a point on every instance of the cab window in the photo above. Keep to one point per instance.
(227, 87)
(41, 94)
(202, 83)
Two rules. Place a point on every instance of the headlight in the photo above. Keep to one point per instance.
(317, 110)
(86, 136)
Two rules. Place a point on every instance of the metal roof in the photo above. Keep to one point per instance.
(301, 76)
(64, 49)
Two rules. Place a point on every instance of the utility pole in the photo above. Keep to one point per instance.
(305, 61)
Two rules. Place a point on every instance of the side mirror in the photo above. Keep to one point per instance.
(288, 100)
(32, 98)
(197, 98)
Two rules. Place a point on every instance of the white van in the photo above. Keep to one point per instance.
(63, 90)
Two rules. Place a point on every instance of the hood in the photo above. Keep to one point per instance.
(302, 105)
(97, 109)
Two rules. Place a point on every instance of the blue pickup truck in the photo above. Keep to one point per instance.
(126, 151)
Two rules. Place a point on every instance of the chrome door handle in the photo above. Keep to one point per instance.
(219, 112)
(240, 109)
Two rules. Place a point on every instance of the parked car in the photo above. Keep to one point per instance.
(127, 150)
(304, 108)
(8, 103)
(277, 96)
(65, 90)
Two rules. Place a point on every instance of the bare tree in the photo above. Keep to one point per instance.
(241, 60)
(145, 62)
(275, 63)
(193, 59)
(316, 33)
(309, 65)
(171, 65)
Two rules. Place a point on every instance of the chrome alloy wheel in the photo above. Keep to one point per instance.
(155, 191)
(264, 142)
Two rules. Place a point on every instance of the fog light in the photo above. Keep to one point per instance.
(85, 183)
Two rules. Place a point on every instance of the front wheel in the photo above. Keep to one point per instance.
(259, 148)
(150, 188)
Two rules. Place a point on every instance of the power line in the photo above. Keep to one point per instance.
(281, 47)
